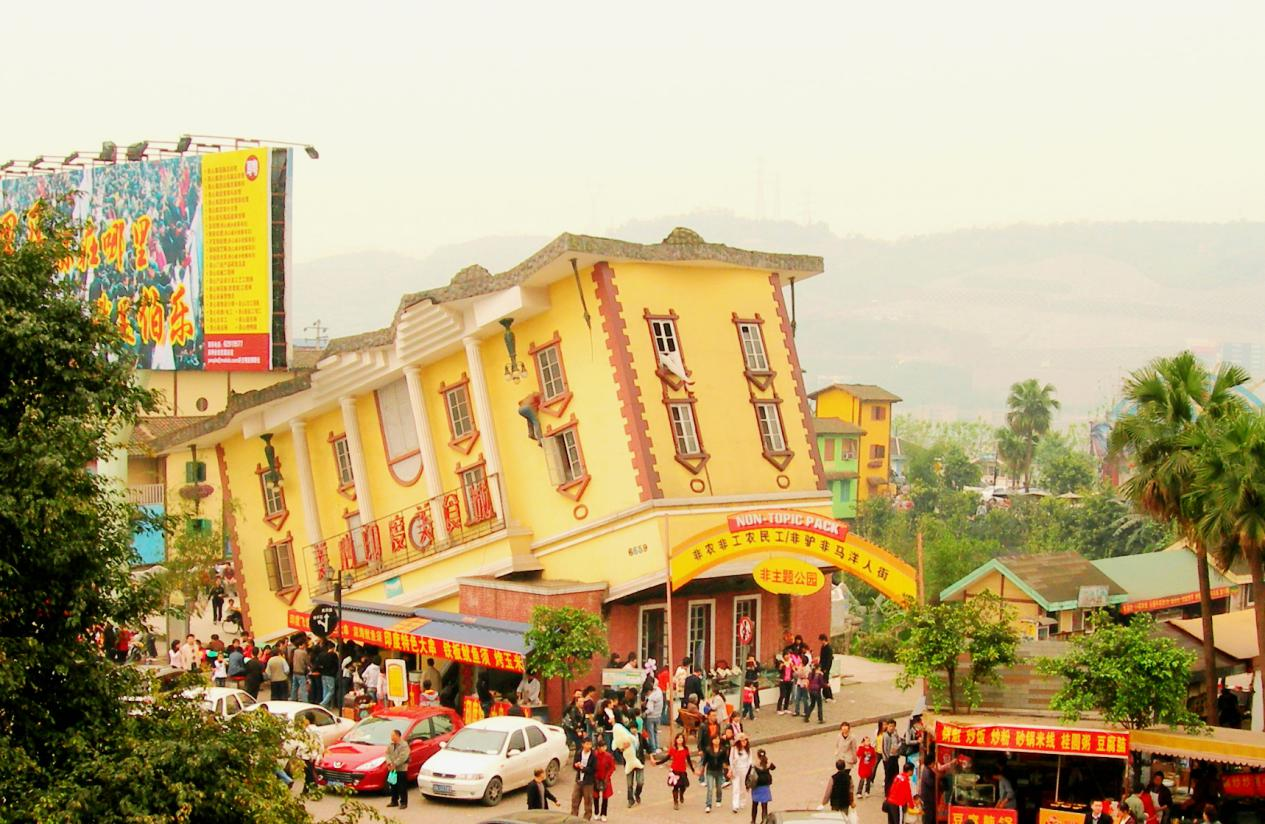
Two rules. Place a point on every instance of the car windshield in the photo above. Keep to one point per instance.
(375, 731)
(470, 739)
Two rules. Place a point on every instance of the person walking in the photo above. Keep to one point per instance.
(751, 678)
(602, 789)
(839, 793)
(846, 750)
(816, 682)
(762, 792)
(739, 767)
(712, 770)
(252, 675)
(634, 765)
(653, 712)
(867, 766)
(217, 600)
(585, 778)
(681, 767)
(538, 795)
(889, 748)
(397, 778)
(802, 671)
(899, 795)
(278, 673)
(298, 669)
(327, 661)
(826, 660)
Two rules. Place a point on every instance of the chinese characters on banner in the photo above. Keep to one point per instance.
(409, 642)
(1244, 785)
(813, 538)
(788, 576)
(983, 815)
(1154, 604)
(1105, 743)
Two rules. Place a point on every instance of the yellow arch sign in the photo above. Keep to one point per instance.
(803, 534)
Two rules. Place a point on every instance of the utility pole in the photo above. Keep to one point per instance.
(922, 592)
(338, 672)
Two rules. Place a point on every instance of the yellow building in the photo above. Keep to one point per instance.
(543, 435)
(870, 408)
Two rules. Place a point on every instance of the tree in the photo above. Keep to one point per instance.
(934, 638)
(1126, 672)
(563, 641)
(1030, 408)
(1067, 471)
(1167, 398)
(189, 571)
(1012, 453)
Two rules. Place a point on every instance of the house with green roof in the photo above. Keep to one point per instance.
(1165, 584)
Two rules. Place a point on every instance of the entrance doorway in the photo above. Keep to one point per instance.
(652, 636)
(701, 633)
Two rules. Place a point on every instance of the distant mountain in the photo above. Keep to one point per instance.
(947, 321)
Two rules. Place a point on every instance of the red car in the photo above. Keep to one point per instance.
(359, 760)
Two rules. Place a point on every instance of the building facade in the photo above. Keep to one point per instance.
(869, 408)
(839, 444)
(541, 436)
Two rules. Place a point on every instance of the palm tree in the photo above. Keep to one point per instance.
(1168, 397)
(1031, 408)
(1011, 452)
(1229, 494)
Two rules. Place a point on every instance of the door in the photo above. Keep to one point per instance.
(747, 607)
(420, 746)
(517, 767)
(701, 636)
(652, 636)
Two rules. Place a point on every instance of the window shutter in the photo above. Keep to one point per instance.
(555, 460)
(270, 562)
(194, 472)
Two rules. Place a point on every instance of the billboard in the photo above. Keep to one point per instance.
(185, 255)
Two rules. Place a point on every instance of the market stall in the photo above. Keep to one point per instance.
(1053, 772)
(1222, 766)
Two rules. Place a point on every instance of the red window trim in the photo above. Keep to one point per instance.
(289, 594)
(460, 470)
(464, 444)
(348, 491)
(557, 405)
(780, 459)
(347, 532)
(694, 463)
(760, 379)
(276, 519)
(573, 489)
(663, 374)
(386, 449)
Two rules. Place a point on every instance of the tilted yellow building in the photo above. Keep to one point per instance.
(870, 408)
(544, 435)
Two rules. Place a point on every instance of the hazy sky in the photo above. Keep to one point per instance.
(442, 122)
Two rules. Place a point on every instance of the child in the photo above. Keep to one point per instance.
(748, 701)
(867, 765)
(220, 673)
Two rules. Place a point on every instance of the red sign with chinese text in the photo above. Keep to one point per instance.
(1244, 785)
(1154, 604)
(982, 815)
(1104, 743)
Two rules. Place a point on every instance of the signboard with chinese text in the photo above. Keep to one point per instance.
(1104, 743)
(814, 538)
(1243, 785)
(788, 576)
(1170, 601)
(404, 637)
(1047, 815)
(1092, 597)
(982, 815)
(185, 256)
(396, 672)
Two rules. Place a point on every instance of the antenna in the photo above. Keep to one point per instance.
(320, 329)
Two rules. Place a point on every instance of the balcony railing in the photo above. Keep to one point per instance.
(430, 527)
(147, 494)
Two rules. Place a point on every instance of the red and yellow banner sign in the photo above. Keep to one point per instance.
(1105, 743)
(982, 815)
(1155, 604)
(788, 576)
(812, 537)
(403, 637)
(1244, 785)
(1048, 816)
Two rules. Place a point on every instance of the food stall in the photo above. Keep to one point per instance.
(1056, 771)
(1222, 766)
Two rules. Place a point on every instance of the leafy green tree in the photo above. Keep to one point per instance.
(1030, 410)
(1063, 468)
(1126, 672)
(1012, 453)
(563, 641)
(190, 566)
(1158, 436)
(933, 639)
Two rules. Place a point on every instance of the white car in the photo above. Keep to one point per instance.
(222, 701)
(485, 759)
(329, 727)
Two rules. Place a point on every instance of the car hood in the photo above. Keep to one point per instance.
(351, 755)
(460, 763)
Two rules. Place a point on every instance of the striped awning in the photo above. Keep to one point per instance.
(1223, 745)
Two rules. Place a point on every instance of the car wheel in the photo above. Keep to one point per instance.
(551, 773)
(492, 793)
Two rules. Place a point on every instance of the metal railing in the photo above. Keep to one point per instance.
(427, 528)
(147, 494)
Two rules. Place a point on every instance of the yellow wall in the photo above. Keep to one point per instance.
(704, 299)
(838, 403)
(181, 390)
(1015, 598)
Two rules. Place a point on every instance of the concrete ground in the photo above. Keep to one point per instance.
(804, 754)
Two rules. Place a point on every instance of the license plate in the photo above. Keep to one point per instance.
(442, 789)
(337, 785)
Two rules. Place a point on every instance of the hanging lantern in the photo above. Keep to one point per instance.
(514, 370)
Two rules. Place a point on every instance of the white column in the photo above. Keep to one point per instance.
(352, 424)
(425, 443)
(483, 413)
(307, 486)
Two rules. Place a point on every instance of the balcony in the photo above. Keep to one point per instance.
(149, 544)
(147, 494)
(430, 527)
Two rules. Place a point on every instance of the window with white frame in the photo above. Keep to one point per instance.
(684, 428)
(652, 635)
(562, 453)
(553, 383)
(769, 417)
(460, 421)
(279, 560)
(477, 493)
(665, 339)
(342, 460)
(699, 634)
(399, 431)
(274, 496)
(753, 353)
(746, 607)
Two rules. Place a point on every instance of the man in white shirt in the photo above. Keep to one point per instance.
(529, 691)
(371, 675)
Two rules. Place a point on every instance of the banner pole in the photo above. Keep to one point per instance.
(667, 628)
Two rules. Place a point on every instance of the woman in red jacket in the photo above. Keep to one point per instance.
(605, 769)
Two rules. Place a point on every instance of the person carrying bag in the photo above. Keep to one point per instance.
(397, 779)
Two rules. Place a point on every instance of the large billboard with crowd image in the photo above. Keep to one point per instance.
(185, 255)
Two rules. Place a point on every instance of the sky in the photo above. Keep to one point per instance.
(438, 123)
